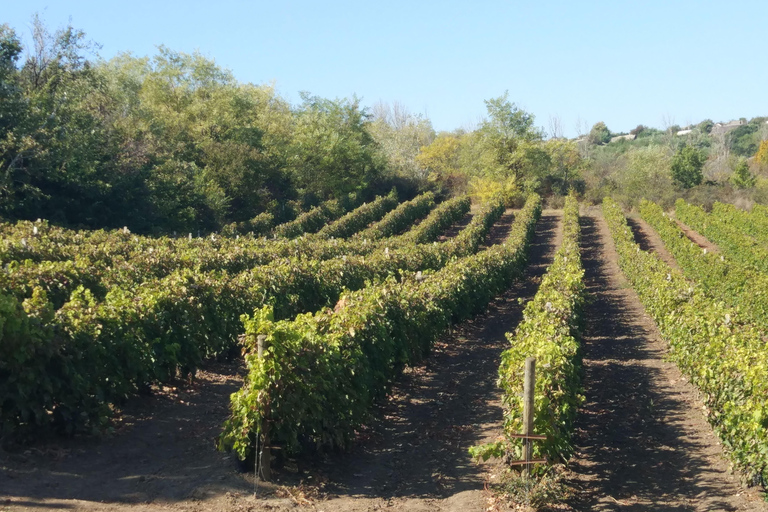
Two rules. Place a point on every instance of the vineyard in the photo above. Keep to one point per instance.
(372, 354)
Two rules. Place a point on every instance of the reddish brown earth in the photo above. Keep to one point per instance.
(698, 239)
(499, 231)
(648, 240)
(456, 228)
(642, 441)
(412, 457)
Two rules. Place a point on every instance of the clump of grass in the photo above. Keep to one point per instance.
(541, 492)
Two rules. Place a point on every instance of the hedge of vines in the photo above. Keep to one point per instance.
(154, 259)
(322, 372)
(39, 241)
(135, 335)
(311, 221)
(448, 213)
(359, 218)
(751, 224)
(260, 225)
(723, 357)
(58, 260)
(738, 246)
(399, 219)
(726, 280)
(549, 332)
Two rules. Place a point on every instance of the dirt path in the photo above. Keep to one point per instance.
(162, 456)
(649, 240)
(456, 228)
(642, 441)
(416, 457)
(162, 452)
(499, 231)
(697, 238)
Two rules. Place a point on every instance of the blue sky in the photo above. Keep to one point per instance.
(624, 63)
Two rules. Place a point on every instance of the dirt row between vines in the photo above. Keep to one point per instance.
(161, 455)
(642, 440)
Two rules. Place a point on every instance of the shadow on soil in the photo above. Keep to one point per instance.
(641, 237)
(418, 444)
(163, 450)
(630, 436)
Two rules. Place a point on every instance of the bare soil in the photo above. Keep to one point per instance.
(698, 239)
(161, 452)
(413, 456)
(642, 441)
(456, 228)
(649, 240)
(500, 230)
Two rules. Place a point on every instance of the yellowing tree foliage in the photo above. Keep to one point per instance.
(762, 154)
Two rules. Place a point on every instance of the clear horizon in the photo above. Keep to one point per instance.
(655, 64)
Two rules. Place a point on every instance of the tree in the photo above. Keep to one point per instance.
(332, 152)
(555, 127)
(51, 144)
(599, 134)
(637, 130)
(12, 111)
(741, 177)
(510, 139)
(744, 139)
(706, 126)
(566, 162)
(440, 158)
(762, 154)
(400, 135)
(687, 165)
(642, 172)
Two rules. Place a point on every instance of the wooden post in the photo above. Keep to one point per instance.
(529, 386)
(263, 457)
(261, 340)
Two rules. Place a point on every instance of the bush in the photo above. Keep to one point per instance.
(599, 134)
(687, 165)
(741, 177)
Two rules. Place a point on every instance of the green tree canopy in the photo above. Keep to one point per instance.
(687, 165)
(400, 135)
(332, 153)
(511, 141)
(599, 134)
(741, 177)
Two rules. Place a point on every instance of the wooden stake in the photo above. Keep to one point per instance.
(261, 340)
(529, 386)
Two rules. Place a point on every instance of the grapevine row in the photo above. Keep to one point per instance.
(311, 221)
(320, 374)
(750, 224)
(736, 245)
(260, 225)
(722, 278)
(549, 332)
(399, 219)
(39, 241)
(146, 335)
(60, 278)
(359, 218)
(447, 213)
(725, 358)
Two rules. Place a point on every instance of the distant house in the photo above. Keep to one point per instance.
(623, 137)
(723, 128)
(684, 132)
